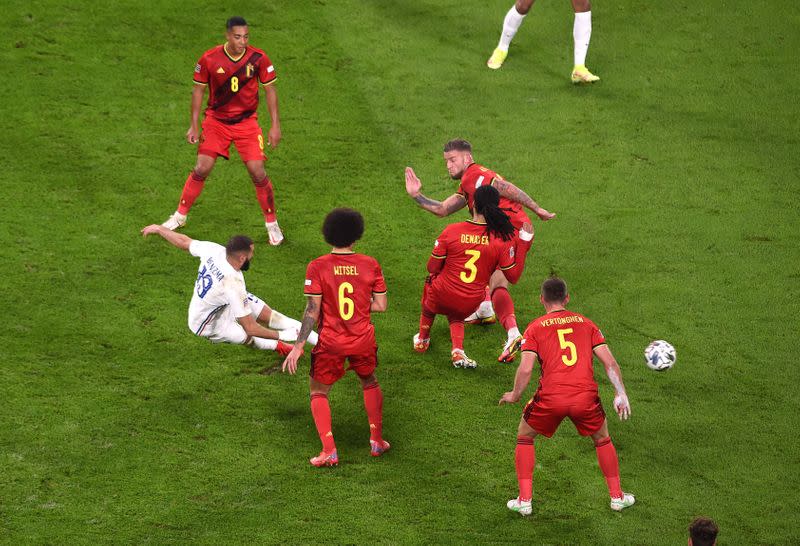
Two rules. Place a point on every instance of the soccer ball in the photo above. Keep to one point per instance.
(659, 355)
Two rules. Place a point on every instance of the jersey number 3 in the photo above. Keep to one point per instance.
(346, 305)
(470, 271)
(571, 355)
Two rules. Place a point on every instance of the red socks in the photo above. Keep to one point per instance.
(266, 198)
(191, 190)
(373, 402)
(609, 465)
(525, 460)
(457, 333)
(425, 322)
(504, 307)
(321, 411)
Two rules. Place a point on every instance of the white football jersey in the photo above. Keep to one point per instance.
(218, 291)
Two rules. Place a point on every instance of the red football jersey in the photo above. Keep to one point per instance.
(565, 343)
(233, 83)
(470, 257)
(346, 282)
(474, 177)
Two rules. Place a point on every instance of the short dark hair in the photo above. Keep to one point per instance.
(238, 243)
(703, 531)
(554, 290)
(343, 227)
(458, 144)
(235, 22)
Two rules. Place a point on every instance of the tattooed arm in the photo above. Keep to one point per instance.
(439, 208)
(510, 191)
(310, 317)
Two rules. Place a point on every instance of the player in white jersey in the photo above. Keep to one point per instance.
(222, 309)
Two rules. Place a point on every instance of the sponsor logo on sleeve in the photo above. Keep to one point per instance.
(197, 68)
(479, 182)
(436, 243)
(270, 69)
(511, 251)
(308, 282)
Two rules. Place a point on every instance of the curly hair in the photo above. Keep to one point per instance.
(343, 227)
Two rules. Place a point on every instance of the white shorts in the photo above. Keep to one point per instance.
(225, 329)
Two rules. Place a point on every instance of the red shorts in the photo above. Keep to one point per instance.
(451, 306)
(216, 139)
(328, 368)
(545, 412)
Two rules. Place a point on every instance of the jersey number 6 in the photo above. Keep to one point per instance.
(346, 305)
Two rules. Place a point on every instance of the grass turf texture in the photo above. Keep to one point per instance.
(674, 179)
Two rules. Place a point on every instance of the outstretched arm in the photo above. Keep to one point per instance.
(510, 191)
(176, 239)
(439, 208)
(310, 318)
(621, 404)
(521, 379)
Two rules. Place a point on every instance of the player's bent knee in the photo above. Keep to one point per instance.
(368, 381)
(523, 6)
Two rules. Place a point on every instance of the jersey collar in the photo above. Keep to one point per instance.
(228, 55)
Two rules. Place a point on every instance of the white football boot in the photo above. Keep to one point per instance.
(275, 233)
(177, 220)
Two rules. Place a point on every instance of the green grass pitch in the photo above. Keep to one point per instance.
(675, 180)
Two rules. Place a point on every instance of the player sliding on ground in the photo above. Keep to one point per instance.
(464, 257)
(581, 34)
(232, 73)
(342, 289)
(461, 166)
(564, 342)
(222, 310)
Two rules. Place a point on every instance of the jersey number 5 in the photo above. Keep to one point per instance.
(571, 356)
(346, 305)
(470, 270)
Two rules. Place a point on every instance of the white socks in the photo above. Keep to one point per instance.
(510, 26)
(278, 321)
(582, 33)
(264, 344)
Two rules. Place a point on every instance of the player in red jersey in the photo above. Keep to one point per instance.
(342, 289)
(461, 166)
(232, 72)
(464, 257)
(564, 342)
